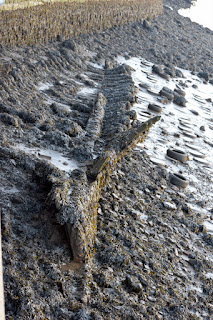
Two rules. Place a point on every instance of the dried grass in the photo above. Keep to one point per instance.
(43, 23)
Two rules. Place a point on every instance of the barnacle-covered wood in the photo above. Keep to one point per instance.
(114, 139)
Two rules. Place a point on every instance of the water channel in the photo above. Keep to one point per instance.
(200, 12)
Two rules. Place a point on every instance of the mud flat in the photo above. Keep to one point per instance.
(138, 248)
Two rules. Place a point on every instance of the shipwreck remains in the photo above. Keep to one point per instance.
(109, 130)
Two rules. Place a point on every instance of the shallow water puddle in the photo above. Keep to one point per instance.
(200, 12)
(140, 215)
(209, 226)
(7, 190)
(56, 158)
(86, 91)
(78, 267)
(184, 128)
(61, 106)
(96, 65)
(44, 86)
(209, 275)
(195, 288)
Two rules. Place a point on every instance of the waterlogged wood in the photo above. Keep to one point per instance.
(78, 209)
(86, 191)
(134, 134)
(109, 132)
(121, 144)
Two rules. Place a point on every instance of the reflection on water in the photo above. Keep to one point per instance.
(200, 12)
(56, 158)
(188, 128)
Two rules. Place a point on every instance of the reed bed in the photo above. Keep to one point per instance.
(45, 23)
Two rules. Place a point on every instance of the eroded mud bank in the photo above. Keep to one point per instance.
(151, 257)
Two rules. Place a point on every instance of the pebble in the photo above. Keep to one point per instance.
(133, 284)
(169, 205)
(176, 252)
(195, 112)
(152, 299)
(13, 162)
(202, 128)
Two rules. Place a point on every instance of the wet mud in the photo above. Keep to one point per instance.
(62, 106)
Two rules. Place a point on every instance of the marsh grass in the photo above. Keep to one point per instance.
(43, 23)
(21, 4)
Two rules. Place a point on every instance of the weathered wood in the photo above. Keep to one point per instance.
(85, 195)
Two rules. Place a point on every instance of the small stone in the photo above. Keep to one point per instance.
(176, 252)
(144, 85)
(202, 203)
(205, 314)
(16, 200)
(13, 162)
(147, 191)
(146, 24)
(9, 119)
(70, 44)
(157, 69)
(108, 64)
(168, 93)
(170, 71)
(202, 128)
(161, 236)
(196, 113)
(128, 106)
(179, 73)
(143, 281)
(204, 75)
(196, 264)
(181, 194)
(146, 267)
(163, 100)
(177, 135)
(180, 100)
(133, 284)
(132, 114)
(180, 92)
(210, 307)
(169, 205)
(192, 255)
(151, 223)
(152, 299)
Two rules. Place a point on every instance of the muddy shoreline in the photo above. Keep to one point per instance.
(151, 260)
